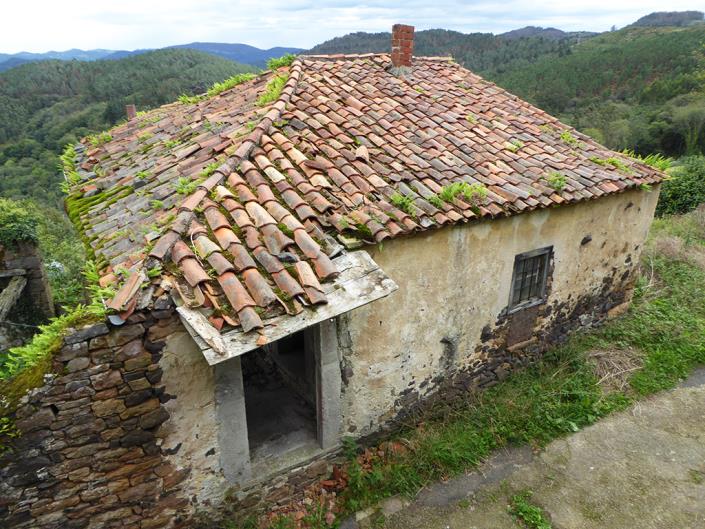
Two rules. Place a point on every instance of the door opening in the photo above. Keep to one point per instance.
(280, 401)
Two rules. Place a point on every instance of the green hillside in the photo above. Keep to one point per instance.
(638, 88)
(48, 104)
(480, 52)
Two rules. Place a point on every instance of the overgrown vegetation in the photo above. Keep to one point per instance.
(186, 186)
(48, 339)
(404, 203)
(611, 161)
(473, 193)
(556, 180)
(686, 187)
(656, 160)
(559, 395)
(280, 62)
(49, 104)
(529, 514)
(230, 82)
(17, 224)
(273, 90)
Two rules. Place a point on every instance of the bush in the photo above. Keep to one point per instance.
(686, 188)
(16, 223)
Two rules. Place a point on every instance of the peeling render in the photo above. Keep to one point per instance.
(447, 325)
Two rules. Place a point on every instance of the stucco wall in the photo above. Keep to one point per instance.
(191, 436)
(456, 281)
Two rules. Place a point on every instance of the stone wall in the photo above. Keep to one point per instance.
(90, 452)
(35, 305)
(447, 326)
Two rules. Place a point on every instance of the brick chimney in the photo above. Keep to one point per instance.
(402, 45)
(131, 111)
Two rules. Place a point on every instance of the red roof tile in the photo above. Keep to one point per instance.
(348, 148)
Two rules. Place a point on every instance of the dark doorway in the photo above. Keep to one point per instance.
(280, 402)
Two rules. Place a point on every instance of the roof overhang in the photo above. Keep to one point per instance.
(360, 282)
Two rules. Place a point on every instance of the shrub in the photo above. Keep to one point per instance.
(16, 223)
(685, 190)
(280, 62)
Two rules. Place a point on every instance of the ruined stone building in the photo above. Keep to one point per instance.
(25, 296)
(310, 255)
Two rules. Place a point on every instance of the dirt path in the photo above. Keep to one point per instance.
(643, 468)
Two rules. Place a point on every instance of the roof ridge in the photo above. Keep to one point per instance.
(185, 215)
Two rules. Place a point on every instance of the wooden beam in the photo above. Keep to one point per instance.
(10, 295)
(360, 282)
(12, 272)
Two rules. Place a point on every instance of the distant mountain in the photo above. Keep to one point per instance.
(670, 18)
(80, 55)
(6, 64)
(240, 53)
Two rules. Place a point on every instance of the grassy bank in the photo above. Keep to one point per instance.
(661, 339)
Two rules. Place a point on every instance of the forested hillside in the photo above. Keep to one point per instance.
(638, 88)
(481, 52)
(48, 104)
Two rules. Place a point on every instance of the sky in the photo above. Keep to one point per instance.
(37, 26)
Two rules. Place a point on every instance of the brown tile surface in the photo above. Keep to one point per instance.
(266, 190)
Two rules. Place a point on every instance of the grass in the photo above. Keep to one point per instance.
(530, 515)
(571, 140)
(96, 140)
(514, 145)
(658, 161)
(404, 202)
(273, 90)
(556, 181)
(232, 82)
(613, 161)
(474, 193)
(186, 186)
(217, 88)
(558, 395)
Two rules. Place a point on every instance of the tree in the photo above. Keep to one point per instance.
(689, 120)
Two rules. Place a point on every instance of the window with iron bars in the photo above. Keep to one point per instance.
(529, 280)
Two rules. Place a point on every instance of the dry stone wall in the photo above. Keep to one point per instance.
(89, 453)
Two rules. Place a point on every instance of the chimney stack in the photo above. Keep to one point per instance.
(402, 45)
(131, 111)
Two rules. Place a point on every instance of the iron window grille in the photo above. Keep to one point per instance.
(529, 278)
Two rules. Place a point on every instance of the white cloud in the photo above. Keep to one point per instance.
(34, 25)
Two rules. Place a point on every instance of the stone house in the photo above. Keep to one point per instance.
(307, 256)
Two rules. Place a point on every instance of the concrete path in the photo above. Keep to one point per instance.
(640, 469)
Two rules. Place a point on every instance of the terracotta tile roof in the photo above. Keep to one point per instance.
(348, 150)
